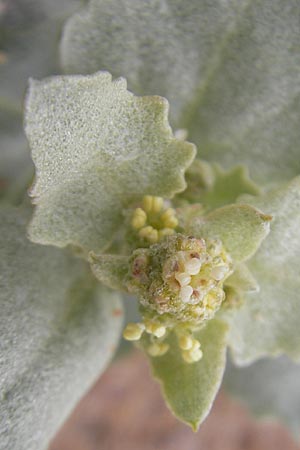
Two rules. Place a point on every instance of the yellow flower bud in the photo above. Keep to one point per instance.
(133, 331)
(185, 342)
(147, 203)
(192, 356)
(139, 218)
(195, 345)
(169, 218)
(156, 329)
(165, 232)
(158, 349)
(157, 204)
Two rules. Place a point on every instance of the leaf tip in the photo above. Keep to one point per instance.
(195, 424)
(266, 217)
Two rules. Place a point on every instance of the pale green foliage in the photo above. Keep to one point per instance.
(241, 229)
(190, 389)
(155, 44)
(227, 186)
(97, 147)
(58, 331)
(229, 69)
(213, 187)
(242, 279)
(111, 270)
(269, 321)
(269, 387)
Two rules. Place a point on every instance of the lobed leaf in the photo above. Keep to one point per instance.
(58, 331)
(96, 148)
(229, 69)
(268, 322)
(190, 389)
(161, 47)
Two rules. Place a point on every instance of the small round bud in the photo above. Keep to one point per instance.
(165, 232)
(155, 328)
(192, 356)
(186, 293)
(169, 218)
(193, 266)
(185, 342)
(158, 349)
(133, 331)
(157, 204)
(139, 218)
(149, 233)
(195, 345)
(183, 278)
(147, 203)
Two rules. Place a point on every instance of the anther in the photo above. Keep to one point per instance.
(158, 349)
(149, 233)
(147, 203)
(185, 342)
(183, 278)
(193, 266)
(192, 356)
(186, 293)
(139, 218)
(156, 329)
(133, 331)
(157, 204)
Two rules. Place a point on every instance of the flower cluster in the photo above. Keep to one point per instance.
(179, 283)
(154, 220)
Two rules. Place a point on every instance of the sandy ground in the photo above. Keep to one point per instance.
(125, 411)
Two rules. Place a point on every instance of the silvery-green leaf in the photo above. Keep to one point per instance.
(242, 279)
(111, 270)
(161, 47)
(269, 387)
(229, 69)
(269, 321)
(190, 389)
(58, 331)
(97, 147)
(241, 229)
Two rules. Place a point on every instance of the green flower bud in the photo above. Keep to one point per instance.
(179, 284)
(180, 279)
